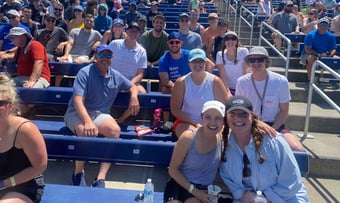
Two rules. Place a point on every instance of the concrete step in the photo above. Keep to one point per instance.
(323, 118)
(324, 154)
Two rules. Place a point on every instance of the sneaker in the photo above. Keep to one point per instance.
(99, 183)
(79, 179)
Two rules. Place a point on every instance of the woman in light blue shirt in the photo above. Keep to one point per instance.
(253, 161)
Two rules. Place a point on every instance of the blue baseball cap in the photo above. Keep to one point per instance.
(118, 21)
(103, 47)
(175, 35)
(197, 54)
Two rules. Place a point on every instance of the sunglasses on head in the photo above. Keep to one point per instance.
(246, 170)
(259, 60)
(3, 103)
(101, 55)
(233, 38)
(174, 42)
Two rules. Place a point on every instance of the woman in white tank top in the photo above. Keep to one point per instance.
(192, 90)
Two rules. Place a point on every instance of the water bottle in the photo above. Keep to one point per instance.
(148, 191)
(156, 121)
(260, 197)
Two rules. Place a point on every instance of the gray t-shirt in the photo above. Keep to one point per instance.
(83, 41)
(191, 40)
(51, 39)
(285, 23)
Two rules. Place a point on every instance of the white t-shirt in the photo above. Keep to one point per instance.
(277, 92)
(233, 71)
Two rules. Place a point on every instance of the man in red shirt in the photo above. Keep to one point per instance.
(31, 59)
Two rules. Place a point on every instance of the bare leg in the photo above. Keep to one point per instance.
(292, 140)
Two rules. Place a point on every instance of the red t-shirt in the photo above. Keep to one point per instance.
(35, 51)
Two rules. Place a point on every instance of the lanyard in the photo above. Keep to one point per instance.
(263, 94)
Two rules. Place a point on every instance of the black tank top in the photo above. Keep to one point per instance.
(13, 160)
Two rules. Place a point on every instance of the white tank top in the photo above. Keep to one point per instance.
(196, 95)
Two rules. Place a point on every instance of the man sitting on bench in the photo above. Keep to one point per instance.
(88, 114)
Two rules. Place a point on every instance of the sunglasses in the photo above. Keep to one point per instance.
(11, 17)
(212, 18)
(246, 170)
(58, 9)
(233, 38)
(3, 103)
(77, 10)
(174, 42)
(259, 60)
(310, 13)
(323, 24)
(50, 20)
(101, 56)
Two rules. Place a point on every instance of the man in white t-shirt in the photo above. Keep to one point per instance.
(130, 60)
(268, 92)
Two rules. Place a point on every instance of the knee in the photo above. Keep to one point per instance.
(112, 132)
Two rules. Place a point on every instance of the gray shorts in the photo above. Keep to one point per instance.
(21, 80)
(71, 118)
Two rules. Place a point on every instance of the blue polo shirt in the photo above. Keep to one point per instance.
(99, 92)
(320, 43)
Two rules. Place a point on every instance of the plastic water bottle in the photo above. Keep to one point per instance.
(156, 121)
(260, 197)
(148, 191)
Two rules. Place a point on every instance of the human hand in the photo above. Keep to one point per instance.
(29, 84)
(62, 59)
(267, 129)
(90, 129)
(134, 106)
(248, 197)
(202, 195)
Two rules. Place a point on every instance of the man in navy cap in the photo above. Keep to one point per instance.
(172, 65)
(94, 91)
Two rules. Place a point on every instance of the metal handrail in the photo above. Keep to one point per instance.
(312, 86)
(283, 37)
(244, 10)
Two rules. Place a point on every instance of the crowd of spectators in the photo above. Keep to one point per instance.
(43, 31)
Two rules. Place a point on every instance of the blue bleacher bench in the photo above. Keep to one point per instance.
(143, 152)
(74, 194)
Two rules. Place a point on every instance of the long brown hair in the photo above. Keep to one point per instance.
(236, 46)
(257, 137)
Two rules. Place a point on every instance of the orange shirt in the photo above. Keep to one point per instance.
(209, 32)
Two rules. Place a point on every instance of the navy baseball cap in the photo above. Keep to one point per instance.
(175, 35)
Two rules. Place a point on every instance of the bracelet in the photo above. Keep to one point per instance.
(12, 180)
(191, 188)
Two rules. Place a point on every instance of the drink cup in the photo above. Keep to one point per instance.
(213, 191)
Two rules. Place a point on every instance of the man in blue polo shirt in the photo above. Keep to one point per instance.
(94, 91)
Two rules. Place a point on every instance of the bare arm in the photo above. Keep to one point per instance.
(176, 102)
(282, 116)
(223, 75)
(36, 72)
(134, 103)
(31, 141)
(139, 76)
(164, 80)
(68, 48)
(221, 93)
